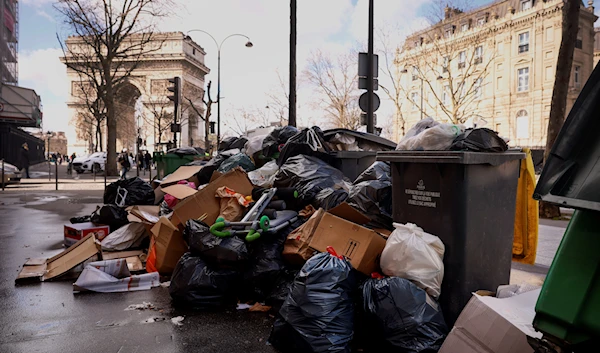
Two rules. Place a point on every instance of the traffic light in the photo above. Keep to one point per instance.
(176, 97)
(176, 89)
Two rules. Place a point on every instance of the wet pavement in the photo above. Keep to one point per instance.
(49, 317)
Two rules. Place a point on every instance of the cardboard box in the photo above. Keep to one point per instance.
(45, 269)
(169, 184)
(340, 228)
(78, 231)
(489, 324)
(204, 200)
(169, 244)
(362, 246)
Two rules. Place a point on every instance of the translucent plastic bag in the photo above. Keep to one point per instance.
(413, 254)
(437, 138)
(265, 175)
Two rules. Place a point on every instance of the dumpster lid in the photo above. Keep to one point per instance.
(571, 175)
(454, 157)
(384, 143)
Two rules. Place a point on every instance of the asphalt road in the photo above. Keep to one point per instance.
(49, 317)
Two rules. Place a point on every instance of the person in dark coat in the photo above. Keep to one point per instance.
(148, 160)
(25, 159)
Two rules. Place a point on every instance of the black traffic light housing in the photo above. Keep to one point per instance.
(176, 98)
(176, 89)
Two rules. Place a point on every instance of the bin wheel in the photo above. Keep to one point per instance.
(264, 223)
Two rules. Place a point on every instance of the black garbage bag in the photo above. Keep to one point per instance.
(277, 137)
(308, 175)
(227, 252)
(329, 198)
(400, 318)
(318, 314)
(309, 142)
(82, 219)
(479, 140)
(281, 287)
(372, 195)
(164, 208)
(196, 284)
(237, 160)
(232, 142)
(377, 171)
(137, 191)
(184, 151)
(113, 216)
(266, 263)
(211, 166)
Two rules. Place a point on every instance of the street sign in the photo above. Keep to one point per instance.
(362, 83)
(362, 65)
(362, 102)
(363, 119)
(175, 127)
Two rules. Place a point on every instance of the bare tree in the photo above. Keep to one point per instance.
(110, 37)
(558, 106)
(337, 81)
(160, 117)
(278, 101)
(208, 102)
(245, 119)
(91, 111)
(394, 89)
(459, 66)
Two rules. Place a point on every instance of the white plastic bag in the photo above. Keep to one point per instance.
(125, 237)
(253, 145)
(436, 138)
(413, 254)
(265, 175)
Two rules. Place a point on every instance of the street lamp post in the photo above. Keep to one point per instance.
(49, 134)
(219, 45)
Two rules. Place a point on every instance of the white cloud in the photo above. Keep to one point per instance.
(42, 71)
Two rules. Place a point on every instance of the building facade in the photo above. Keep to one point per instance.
(143, 108)
(493, 67)
(9, 34)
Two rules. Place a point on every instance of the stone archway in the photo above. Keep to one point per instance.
(127, 96)
(179, 56)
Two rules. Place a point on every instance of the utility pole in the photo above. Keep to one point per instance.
(370, 125)
(293, 36)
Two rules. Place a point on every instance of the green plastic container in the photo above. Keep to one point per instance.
(569, 305)
(167, 163)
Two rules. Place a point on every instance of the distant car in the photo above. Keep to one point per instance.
(12, 174)
(93, 162)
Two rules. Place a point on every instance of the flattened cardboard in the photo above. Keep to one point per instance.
(489, 324)
(73, 256)
(111, 255)
(182, 173)
(204, 201)
(148, 214)
(170, 245)
(179, 191)
(296, 250)
(61, 263)
(362, 246)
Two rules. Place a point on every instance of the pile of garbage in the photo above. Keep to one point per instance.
(270, 223)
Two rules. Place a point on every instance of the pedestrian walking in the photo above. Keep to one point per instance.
(25, 159)
(70, 160)
(124, 161)
(147, 160)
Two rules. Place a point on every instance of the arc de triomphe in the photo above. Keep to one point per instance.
(142, 101)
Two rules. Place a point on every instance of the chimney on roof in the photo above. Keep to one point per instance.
(447, 12)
